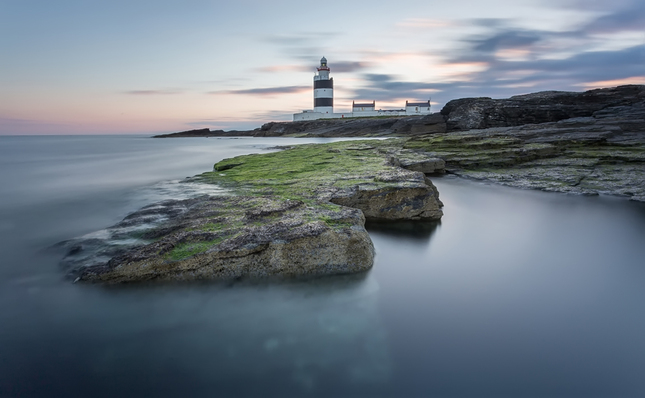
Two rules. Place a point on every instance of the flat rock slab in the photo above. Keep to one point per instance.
(599, 154)
(380, 178)
(232, 237)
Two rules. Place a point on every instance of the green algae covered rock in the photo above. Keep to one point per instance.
(295, 213)
(230, 237)
(603, 154)
(366, 175)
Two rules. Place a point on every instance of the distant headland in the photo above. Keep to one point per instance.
(457, 115)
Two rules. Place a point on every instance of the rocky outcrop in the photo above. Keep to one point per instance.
(378, 177)
(424, 162)
(191, 133)
(298, 212)
(206, 133)
(356, 127)
(232, 237)
(393, 204)
(542, 107)
(599, 154)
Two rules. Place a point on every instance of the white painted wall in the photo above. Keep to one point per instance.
(318, 115)
(307, 116)
(417, 110)
(324, 93)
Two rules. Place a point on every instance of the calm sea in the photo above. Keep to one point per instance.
(515, 294)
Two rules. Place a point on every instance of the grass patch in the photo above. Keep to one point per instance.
(189, 249)
(293, 173)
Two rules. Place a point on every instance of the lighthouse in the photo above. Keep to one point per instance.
(323, 89)
(324, 102)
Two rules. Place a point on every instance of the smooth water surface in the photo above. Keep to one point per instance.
(514, 294)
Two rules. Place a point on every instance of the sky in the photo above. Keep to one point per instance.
(158, 66)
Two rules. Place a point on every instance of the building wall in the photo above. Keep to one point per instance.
(412, 110)
(363, 109)
(315, 115)
(307, 116)
(319, 115)
(365, 113)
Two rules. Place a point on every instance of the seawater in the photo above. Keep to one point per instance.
(515, 293)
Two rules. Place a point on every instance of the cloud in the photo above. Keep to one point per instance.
(501, 78)
(631, 19)
(266, 91)
(594, 5)
(555, 57)
(506, 39)
(507, 42)
(378, 78)
(345, 67)
(582, 67)
(341, 66)
(615, 16)
(383, 87)
(612, 83)
(304, 46)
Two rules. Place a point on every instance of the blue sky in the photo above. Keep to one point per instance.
(99, 67)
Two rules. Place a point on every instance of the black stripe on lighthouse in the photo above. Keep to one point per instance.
(323, 102)
(323, 84)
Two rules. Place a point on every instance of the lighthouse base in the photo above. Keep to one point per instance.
(408, 111)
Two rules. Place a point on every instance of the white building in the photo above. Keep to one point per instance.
(363, 107)
(324, 102)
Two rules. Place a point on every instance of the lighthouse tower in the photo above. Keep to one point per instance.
(323, 89)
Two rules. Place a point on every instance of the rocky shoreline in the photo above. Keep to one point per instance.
(586, 143)
(301, 211)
